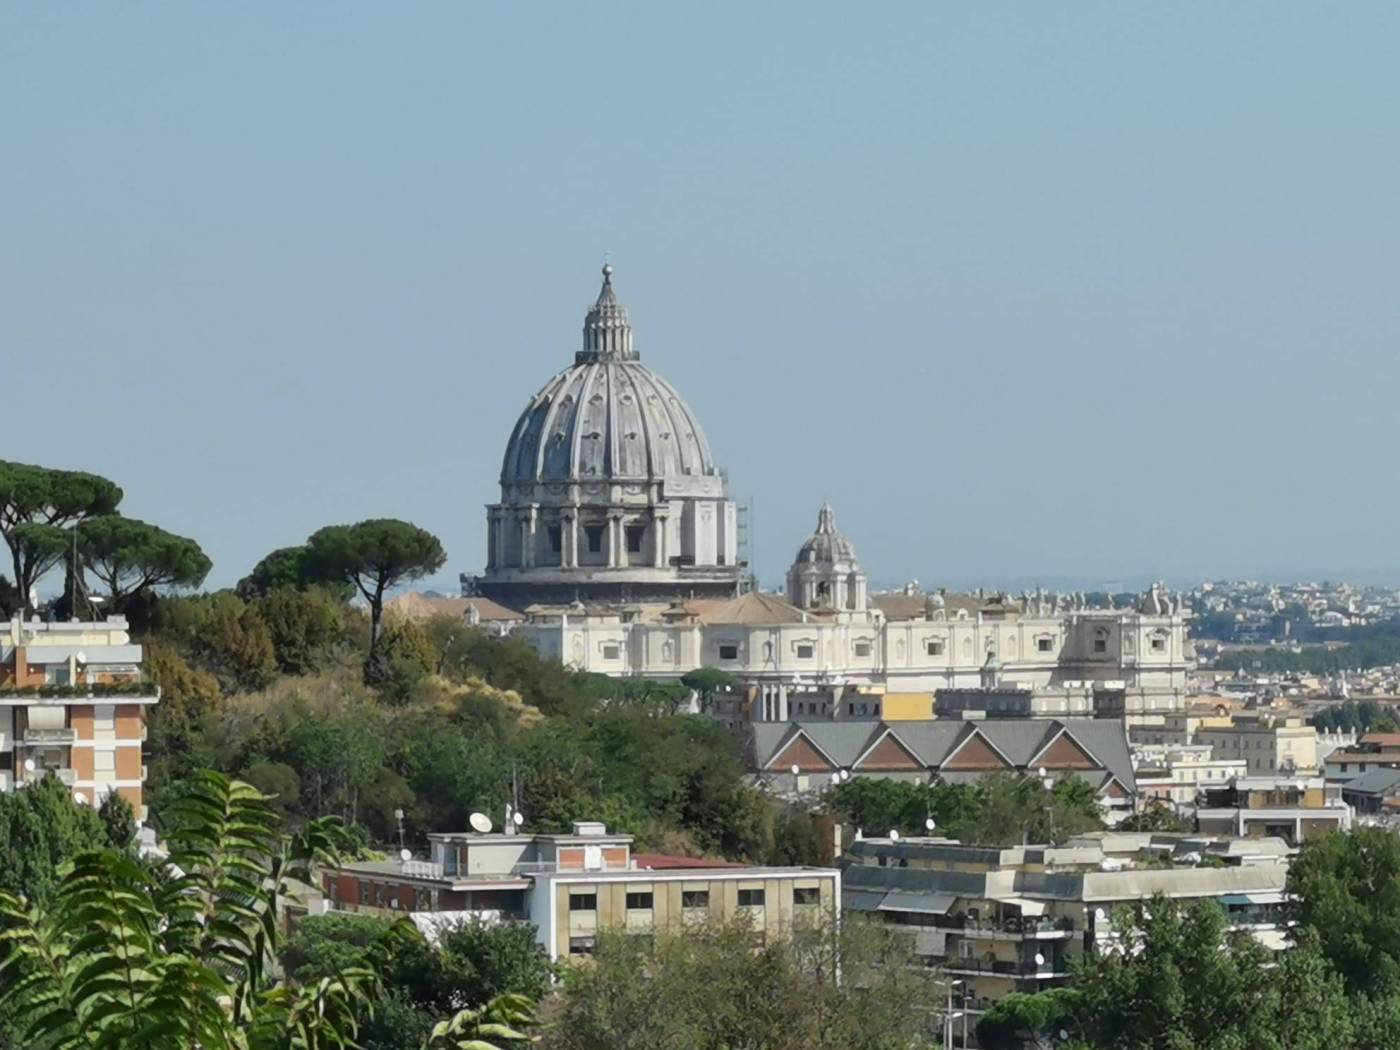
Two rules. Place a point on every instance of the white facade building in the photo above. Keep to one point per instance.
(616, 539)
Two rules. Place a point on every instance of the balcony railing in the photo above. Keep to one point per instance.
(66, 776)
(49, 736)
(1008, 967)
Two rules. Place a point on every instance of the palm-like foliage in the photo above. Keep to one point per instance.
(502, 1020)
(175, 955)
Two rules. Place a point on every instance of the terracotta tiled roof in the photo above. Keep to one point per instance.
(754, 608)
(415, 606)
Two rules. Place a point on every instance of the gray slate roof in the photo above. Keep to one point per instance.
(1020, 740)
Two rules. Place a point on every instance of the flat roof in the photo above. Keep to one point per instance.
(654, 875)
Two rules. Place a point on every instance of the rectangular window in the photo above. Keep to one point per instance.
(862, 648)
(1045, 645)
(104, 760)
(805, 652)
(695, 898)
(104, 718)
(611, 652)
(934, 647)
(555, 539)
(583, 945)
(1100, 645)
(639, 901)
(595, 538)
(364, 893)
(729, 652)
(635, 535)
(583, 902)
(805, 895)
(1159, 644)
(750, 898)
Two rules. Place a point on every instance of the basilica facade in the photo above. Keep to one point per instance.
(616, 540)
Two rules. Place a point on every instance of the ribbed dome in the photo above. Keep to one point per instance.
(607, 416)
(826, 546)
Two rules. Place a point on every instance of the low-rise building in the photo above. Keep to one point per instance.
(1178, 773)
(1015, 919)
(1376, 793)
(1289, 808)
(1269, 745)
(1347, 763)
(572, 887)
(73, 703)
(806, 756)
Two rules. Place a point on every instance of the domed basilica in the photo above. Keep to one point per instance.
(609, 492)
(615, 549)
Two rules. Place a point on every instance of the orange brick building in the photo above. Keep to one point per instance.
(73, 702)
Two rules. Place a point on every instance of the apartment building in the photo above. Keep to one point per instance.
(1015, 919)
(1270, 745)
(573, 887)
(1178, 773)
(1288, 808)
(73, 703)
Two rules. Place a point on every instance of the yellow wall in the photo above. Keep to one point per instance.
(907, 707)
(667, 911)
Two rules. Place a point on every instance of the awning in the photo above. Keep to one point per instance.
(923, 903)
(1234, 900)
(1266, 897)
(1028, 907)
(861, 900)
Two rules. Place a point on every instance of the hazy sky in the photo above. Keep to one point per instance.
(1031, 290)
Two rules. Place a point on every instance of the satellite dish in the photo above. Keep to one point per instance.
(81, 657)
(1039, 959)
(894, 835)
(80, 798)
(480, 822)
(29, 765)
(796, 769)
(517, 818)
(929, 824)
(1041, 772)
(405, 854)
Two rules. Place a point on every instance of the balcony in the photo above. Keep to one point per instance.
(1040, 929)
(66, 776)
(1008, 968)
(37, 737)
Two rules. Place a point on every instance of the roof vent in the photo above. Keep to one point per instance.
(590, 827)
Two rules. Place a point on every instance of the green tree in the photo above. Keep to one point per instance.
(374, 556)
(306, 627)
(42, 828)
(1021, 1021)
(1345, 887)
(289, 567)
(123, 955)
(1155, 815)
(707, 683)
(224, 635)
(130, 557)
(118, 821)
(712, 988)
(1186, 982)
(37, 505)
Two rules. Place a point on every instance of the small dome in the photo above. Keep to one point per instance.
(826, 546)
(608, 416)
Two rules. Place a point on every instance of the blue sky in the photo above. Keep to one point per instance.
(1087, 291)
